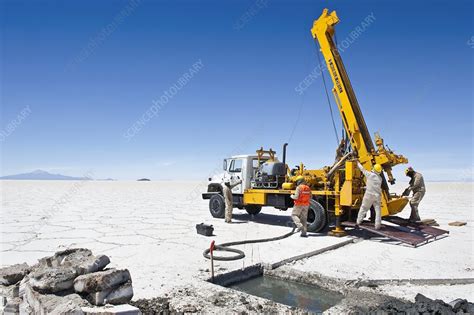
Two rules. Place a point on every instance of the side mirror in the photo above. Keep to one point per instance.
(225, 165)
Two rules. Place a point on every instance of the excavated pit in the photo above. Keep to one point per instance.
(254, 281)
(315, 293)
(308, 297)
(264, 282)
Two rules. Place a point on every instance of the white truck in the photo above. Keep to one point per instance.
(238, 167)
(263, 184)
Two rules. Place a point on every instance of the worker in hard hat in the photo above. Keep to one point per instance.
(302, 198)
(229, 204)
(417, 186)
(373, 194)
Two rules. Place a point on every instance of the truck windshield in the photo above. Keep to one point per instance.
(236, 166)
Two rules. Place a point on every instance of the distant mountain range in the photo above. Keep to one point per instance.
(42, 175)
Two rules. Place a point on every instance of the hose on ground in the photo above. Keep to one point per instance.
(225, 247)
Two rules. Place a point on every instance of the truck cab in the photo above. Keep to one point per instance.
(235, 168)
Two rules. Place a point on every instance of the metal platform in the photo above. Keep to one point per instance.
(413, 234)
(427, 229)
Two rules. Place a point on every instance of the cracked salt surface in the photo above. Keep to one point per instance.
(149, 227)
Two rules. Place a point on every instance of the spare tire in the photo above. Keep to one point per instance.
(317, 218)
(217, 206)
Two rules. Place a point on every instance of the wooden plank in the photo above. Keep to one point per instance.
(310, 254)
(457, 223)
(377, 282)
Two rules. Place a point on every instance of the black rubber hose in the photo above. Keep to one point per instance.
(225, 247)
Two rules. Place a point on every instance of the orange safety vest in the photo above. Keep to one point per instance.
(304, 197)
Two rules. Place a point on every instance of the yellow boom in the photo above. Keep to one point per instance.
(351, 114)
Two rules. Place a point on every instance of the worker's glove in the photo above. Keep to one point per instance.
(406, 192)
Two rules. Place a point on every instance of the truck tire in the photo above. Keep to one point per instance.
(217, 206)
(253, 209)
(317, 219)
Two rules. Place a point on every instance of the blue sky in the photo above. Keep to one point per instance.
(84, 87)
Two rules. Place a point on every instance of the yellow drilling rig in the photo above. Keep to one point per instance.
(337, 189)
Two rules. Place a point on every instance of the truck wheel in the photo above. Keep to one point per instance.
(253, 209)
(317, 219)
(217, 206)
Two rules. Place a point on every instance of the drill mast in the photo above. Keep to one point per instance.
(351, 114)
(352, 118)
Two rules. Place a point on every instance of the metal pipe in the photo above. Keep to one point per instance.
(338, 164)
(284, 153)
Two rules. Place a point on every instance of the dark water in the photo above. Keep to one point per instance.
(311, 298)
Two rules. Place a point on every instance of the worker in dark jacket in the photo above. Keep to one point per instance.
(302, 199)
(417, 187)
(229, 203)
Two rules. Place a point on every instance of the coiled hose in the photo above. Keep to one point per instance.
(225, 247)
